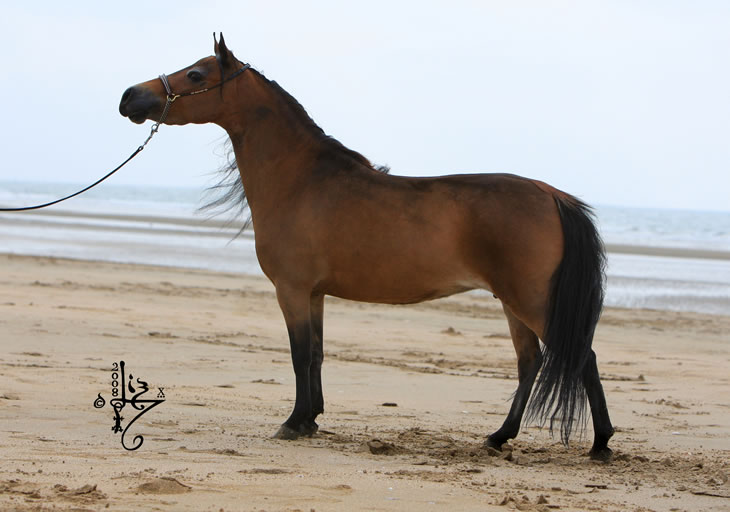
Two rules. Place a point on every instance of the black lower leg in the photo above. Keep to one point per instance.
(527, 372)
(315, 387)
(298, 421)
(602, 427)
(315, 368)
(529, 360)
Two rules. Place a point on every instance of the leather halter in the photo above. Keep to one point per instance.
(173, 96)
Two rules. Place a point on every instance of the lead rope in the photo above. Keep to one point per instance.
(153, 130)
(171, 97)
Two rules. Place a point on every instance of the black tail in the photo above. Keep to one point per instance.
(576, 299)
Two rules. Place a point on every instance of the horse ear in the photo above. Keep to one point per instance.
(222, 53)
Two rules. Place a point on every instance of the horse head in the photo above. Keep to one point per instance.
(151, 99)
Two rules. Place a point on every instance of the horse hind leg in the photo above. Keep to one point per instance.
(529, 359)
(602, 428)
(315, 368)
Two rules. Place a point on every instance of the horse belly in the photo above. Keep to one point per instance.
(407, 294)
(403, 268)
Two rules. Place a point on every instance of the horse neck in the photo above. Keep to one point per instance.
(271, 145)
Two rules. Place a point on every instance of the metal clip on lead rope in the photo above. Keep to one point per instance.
(168, 103)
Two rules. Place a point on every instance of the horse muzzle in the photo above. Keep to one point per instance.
(139, 103)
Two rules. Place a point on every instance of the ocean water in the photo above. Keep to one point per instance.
(658, 259)
(641, 272)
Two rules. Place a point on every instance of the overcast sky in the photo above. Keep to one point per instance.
(618, 102)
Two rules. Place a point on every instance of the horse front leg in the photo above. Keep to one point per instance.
(295, 305)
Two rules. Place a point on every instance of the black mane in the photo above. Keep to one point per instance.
(231, 195)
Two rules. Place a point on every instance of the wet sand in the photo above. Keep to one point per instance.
(669, 252)
(216, 344)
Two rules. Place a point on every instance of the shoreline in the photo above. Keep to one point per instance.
(668, 252)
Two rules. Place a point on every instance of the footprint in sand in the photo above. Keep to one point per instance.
(163, 485)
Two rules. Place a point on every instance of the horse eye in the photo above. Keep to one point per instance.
(195, 76)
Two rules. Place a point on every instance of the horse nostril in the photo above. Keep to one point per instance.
(127, 98)
(127, 94)
(137, 102)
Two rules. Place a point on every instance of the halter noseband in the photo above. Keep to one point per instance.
(171, 96)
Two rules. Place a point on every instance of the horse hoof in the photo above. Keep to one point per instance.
(494, 445)
(286, 433)
(308, 429)
(604, 454)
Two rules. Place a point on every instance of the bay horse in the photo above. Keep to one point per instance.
(327, 222)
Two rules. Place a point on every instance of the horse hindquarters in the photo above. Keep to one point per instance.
(576, 299)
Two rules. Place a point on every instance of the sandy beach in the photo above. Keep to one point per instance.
(216, 343)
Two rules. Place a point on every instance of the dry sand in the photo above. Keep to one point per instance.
(217, 345)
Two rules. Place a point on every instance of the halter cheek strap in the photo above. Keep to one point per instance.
(171, 96)
(166, 84)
